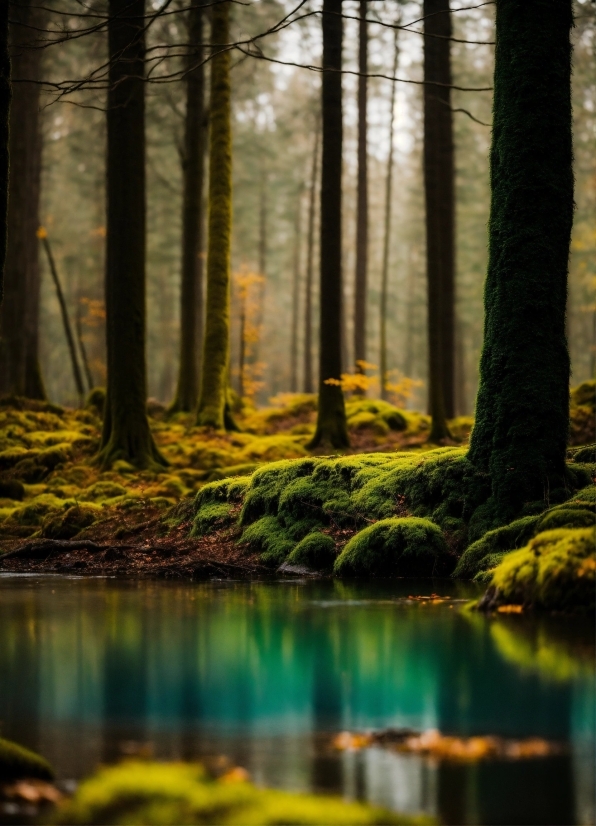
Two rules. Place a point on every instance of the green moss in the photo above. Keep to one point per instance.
(70, 522)
(316, 551)
(102, 490)
(555, 571)
(96, 401)
(160, 794)
(270, 538)
(18, 762)
(375, 414)
(395, 547)
(584, 393)
(562, 517)
(213, 503)
(476, 557)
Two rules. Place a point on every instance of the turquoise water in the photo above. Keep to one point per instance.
(266, 673)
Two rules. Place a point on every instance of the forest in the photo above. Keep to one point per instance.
(297, 411)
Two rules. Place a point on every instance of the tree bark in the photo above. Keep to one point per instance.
(309, 386)
(191, 288)
(295, 296)
(19, 320)
(5, 96)
(360, 287)
(385, 266)
(126, 433)
(440, 215)
(331, 419)
(522, 409)
(214, 376)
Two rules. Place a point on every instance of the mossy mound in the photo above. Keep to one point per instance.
(483, 555)
(582, 414)
(16, 762)
(374, 414)
(317, 551)
(70, 521)
(175, 793)
(283, 503)
(395, 547)
(556, 570)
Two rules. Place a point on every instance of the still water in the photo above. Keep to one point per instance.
(265, 673)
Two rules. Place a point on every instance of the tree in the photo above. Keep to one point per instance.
(19, 320)
(331, 418)
(522, 411)
(440, 214)
(5, 95)
(387, 229)
(126, 434)
(310, 255)
(361, 197)
(191, 291)
(295, 295)
(215, 372)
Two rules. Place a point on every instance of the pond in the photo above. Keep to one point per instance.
(266, 673)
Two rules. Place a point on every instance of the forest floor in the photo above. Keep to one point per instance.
(61, 513)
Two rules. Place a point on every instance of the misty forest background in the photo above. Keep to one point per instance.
(275, 109)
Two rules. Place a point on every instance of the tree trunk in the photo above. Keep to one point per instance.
(191, 288)
(522, 409)
(126, 433)
(296, 296)
(76, 370)
(262, 252)
(361, 199)
(214, 376)
(309, 385)
(83, 348)
(19, 365)
(385, 266)
(331, 419)
(440, 215)
(5, 96)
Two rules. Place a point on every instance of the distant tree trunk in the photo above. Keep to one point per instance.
(191, 288)
(309, 385)
(296, 296)
(214, 377)
(522, 409)
(82, 348)
(76, 370)
(331, 419)
(383, 368)
(440, 215)
(242, 347)
(126, 433)
(19, 365)
(5, 96)
(262, 253)
(361, 198)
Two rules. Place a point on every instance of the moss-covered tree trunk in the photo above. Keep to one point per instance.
(522, 411)
(360, 287)
(331, 419)
(191, 288)
(307, 377)
(126, 433)
(19, 320)
(214, 376)
(439, 192)
(5, 95)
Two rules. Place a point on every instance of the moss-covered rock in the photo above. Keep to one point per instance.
(17, 762)
(214, 504)
(409, 546)
(556, 570)
(157, 794)
(317, 551)
(378, 415)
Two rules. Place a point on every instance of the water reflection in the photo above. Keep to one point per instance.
(264, 672)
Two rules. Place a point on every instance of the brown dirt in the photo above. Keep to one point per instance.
(137, 545)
